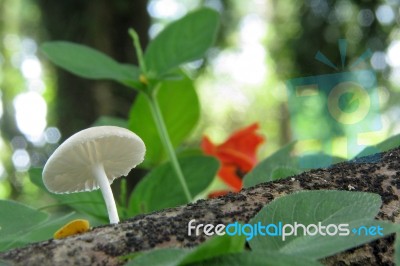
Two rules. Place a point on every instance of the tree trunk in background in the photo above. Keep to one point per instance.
(103, 25)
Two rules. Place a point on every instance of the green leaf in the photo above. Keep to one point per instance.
(4, 263)
(213, 247)
(281, 165)
(316, 160)
(47, 229)
(182, 41)
(263, 171)
(260, 258)
(319, 246)
(313, 207)
(180, 107)
(283, 171)
(90, 203)
(110, 121)
(90, 63)
(44, 230)
(390, 143)
(16, 220)
(160, 188)
(159, 257)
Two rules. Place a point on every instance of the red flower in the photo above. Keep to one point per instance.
(237, 155)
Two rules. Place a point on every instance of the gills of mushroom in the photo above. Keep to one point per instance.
(92, 159)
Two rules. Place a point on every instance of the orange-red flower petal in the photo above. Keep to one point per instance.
(217, 193)
(228, 173)
(237, 154)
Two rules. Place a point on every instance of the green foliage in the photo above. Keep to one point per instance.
(175, 110)
(174, 106)
(283, 171)
(282, 164)
(263, 170)
(159, 189)
(259, 258)
(182, 41)
(390, 143)
(89, 63)
(214, 247)
(17, 220)
(180, 108)
(21, 225)
(91, 203)
(328, 207)
(110, 121)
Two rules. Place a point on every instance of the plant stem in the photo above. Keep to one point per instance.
(162, 130)
(139, 51)
(157, 116)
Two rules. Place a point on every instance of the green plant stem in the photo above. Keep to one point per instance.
(157, 116)
(139, 51)
(162, 130)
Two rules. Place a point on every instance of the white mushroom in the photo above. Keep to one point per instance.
(92, 159)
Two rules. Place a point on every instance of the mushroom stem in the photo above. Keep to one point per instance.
(102, 180)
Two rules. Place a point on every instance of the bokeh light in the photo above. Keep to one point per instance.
(30, 113)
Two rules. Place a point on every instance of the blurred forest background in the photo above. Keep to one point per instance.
(261, 45)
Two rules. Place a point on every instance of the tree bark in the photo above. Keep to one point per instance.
(168, 228)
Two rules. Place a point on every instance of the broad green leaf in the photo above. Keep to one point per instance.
(4, 263)
(180, 108)
(161, 189)
(43, 230)
(90, 203)
(159, 257)
(213, 247)
(110, 121)
(313, 207)
(390, 143)
(17, 217)
(37, 232)
(260, 258)
(281, 165)
(284, 171)
(182, 41)
(47, 229)
(263, 171)
(316, 160)
(318, 247)
(17, 220)
(90, 63)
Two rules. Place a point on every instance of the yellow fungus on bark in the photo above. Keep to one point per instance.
(72, 228)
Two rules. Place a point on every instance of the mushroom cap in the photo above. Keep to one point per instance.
(69, 168)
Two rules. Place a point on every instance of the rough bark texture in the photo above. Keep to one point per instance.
(168, 228)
